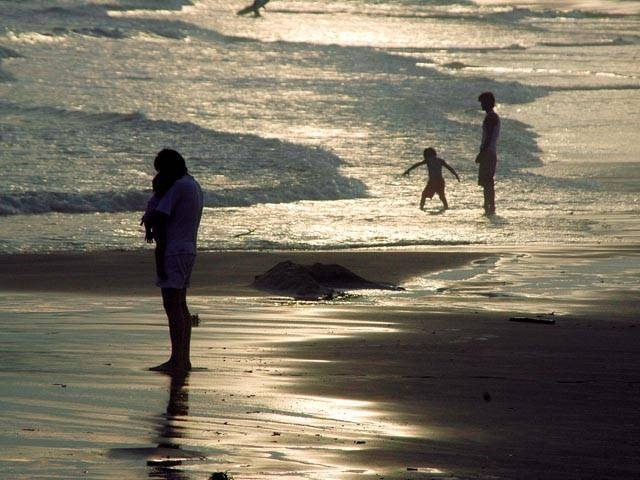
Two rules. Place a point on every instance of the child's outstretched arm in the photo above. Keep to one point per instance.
(416, 165)
(450, 168)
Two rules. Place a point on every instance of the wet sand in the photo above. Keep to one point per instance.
(365, 387)
(215, 273)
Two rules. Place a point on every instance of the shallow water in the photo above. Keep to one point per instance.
(299, 123)
(574, 283)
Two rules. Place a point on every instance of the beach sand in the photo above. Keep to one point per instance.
(433, 382)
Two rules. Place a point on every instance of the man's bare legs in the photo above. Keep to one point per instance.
(187, 328)
(175, 306)
(489, 199)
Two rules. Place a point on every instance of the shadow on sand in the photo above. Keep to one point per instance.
(440, 211)
(496, 220)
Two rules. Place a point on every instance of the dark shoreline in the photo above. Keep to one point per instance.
(132, 272)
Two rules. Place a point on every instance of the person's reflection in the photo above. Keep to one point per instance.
(170, 431)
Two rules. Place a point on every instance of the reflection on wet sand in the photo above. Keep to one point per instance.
(178, 406)
(117, 417)
(169, 454)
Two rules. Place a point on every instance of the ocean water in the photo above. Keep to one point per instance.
(299, 123)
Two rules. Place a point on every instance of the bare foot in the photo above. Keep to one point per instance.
(164, 367)
(171, 367)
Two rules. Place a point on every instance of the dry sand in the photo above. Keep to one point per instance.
(360, 388)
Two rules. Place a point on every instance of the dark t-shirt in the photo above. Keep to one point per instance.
(183, 204)
(490, 132)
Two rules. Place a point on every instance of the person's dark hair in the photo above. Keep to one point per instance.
(160, 184)
(171, 162)
(487, 97)
(170, 167)
(429, 151)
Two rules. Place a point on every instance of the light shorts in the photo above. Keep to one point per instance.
(178, 269)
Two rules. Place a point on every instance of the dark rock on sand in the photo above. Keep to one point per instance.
(314, 282)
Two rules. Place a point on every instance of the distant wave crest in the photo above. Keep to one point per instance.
(42, 202)
(26, 23)
(260, 244)
(35, 202)
(8, 53)
(618, 41)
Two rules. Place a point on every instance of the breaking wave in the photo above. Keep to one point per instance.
(41, 202)
(63, 202)
(234, 169)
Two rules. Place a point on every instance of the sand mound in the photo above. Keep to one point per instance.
(314, 282)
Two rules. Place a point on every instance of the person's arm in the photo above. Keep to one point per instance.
(148, 233)
(451, 169)
(406, 172)
(146, 218)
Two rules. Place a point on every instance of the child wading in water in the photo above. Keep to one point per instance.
(435, 183)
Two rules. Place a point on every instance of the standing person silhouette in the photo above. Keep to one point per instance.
(175, 223)
(487, 159)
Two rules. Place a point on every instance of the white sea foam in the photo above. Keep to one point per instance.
(31, 38)
(624, 7)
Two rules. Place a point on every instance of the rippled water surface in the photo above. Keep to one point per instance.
(298, 123)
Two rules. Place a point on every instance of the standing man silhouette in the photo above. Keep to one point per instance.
(487, 159)
(175, 223)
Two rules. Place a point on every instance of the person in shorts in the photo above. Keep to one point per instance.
(487, 159)
(435, 181)
(174, 223)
